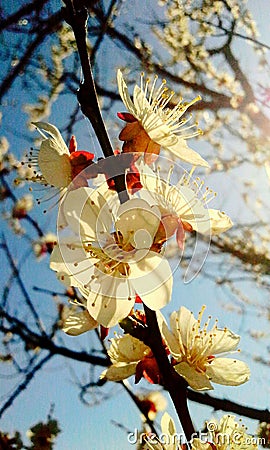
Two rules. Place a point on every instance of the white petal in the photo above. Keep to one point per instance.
(57, 264)
(230, 372)
(187, 326)
(190, 209)
(54, 133)
(53, 157)
(223, 341)
(107, 311)
(73, 264)
(152, 279)
(170, 339)
(61, 219)
(182, 151)
(87, 212)
(119, 371)
(220, 222)
(123, 91)
(140, 101)
(127, 349)
(197, 381)
(169, 432)
(79, 322)
(138, 222)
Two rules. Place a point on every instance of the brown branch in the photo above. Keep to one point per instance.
(218, 100)
(116, 35)
(173, 383)
(239, 75)
(87, 95)
(229, 406)
(37, 340)
(246, 256)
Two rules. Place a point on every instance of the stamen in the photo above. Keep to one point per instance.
(152, 89)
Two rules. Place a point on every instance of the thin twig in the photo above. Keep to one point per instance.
(22, 287)
(11, 195)
(29, 376)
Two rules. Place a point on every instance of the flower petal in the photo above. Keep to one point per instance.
(118, 372)
(87, 211)
(170, 339)
(107, 311)
(53, 131)
(77, 322)
(123, 91)
(198, 444)
(53, 157)
(152, 279)
(219, 221)
(190, 208)
(183, 325)
(72, 263)
(229, 372)
(223, 341)
(197, 381)
(182, 151)
(138, 222)
(127, 349)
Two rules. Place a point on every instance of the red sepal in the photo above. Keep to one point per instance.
(148, 369)
(127, 117)
(103, 332)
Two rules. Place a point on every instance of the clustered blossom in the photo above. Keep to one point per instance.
(263, 432)
(113, 252)
(111, 267)
(152, 403)
(197, 354)
(44, 245)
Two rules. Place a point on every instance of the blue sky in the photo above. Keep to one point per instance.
(91, 428)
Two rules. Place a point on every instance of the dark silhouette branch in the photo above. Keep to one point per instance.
(37, 340)
(87, 96)
(22, 286)
(173, 383)
(34, 6)
(22, 386)
(52, 24)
